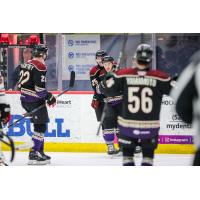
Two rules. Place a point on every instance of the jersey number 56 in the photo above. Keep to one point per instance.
(144, 102)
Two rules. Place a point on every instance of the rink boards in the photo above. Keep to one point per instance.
(73, 126)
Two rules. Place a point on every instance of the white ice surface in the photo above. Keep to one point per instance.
(100, 159)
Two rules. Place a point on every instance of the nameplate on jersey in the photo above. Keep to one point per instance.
(141, 81)
(27, 66)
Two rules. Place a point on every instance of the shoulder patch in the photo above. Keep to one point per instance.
(38, 65)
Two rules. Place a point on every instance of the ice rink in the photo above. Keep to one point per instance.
(100, 159)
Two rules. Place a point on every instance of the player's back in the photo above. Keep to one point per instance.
(142, 93)
(32, 80)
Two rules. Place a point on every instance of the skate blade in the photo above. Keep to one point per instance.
(138, 155)
(35, 162)
(115, 155)
(48, 161)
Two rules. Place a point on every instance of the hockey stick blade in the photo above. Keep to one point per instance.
(72, 79)
(24, 146)
(71, 84)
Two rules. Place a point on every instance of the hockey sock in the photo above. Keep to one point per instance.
(109, 135)
(38, 139)
(42, 147)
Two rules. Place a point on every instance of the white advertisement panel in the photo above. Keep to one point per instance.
(79, 54)
(74, 121)
(172, 129)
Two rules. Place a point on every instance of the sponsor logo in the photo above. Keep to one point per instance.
(124, 141)
(178, 126)
(70, 42)
(136, 132)
(81, 42)
(24, 127)
(70, 55)
(84, 55)
(140, 132)
(167, 139)
(167, 102)
(71, 68)
(64, 104)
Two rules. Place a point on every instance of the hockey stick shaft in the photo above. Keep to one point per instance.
(71, 85)
(102, 118)
(41, 36)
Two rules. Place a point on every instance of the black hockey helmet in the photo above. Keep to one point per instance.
(40, 50)
(101, 53)
(108, 59)
(144, 54)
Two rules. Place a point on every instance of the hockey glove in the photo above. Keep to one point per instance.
(95, 104)
(5, 113)
(51, 100)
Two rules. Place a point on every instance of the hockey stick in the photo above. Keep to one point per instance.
(10, 143)
(26, 145)
(102, 118)
(41, 36)
(71, 85)
(14, 147)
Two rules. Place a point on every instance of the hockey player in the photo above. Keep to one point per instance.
(97, 74)
(112, 110)
(4, 115)
(32, 84)
(187, 98)
(142, 89)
